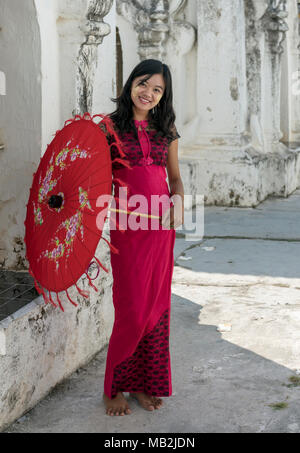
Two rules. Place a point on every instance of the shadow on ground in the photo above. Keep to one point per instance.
(217, 387)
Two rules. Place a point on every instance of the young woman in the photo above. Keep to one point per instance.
(138, 358)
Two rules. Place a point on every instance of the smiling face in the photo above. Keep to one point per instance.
(146, 94)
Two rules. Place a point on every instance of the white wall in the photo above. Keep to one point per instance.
(129, 41)
(105, 74)
(2, 84)
(20, 118)
(47, 11)
(290, 85)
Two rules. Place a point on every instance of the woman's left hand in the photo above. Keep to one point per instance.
(173, 217)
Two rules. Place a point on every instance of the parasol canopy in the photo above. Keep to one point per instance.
(61, 228)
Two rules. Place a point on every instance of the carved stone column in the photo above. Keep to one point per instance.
(222, 106)
(150, 20)
(94, 30)
(153, 22)
(290, 83)
(274, 26)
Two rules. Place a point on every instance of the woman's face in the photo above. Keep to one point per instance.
(146, 94)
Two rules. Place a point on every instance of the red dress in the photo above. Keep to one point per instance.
(138, 357)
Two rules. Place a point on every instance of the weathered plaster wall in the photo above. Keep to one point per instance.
(41, 93)
(222, 95)
(129, 46)
(40, 345)
(290, 80)
(47, 11)
(105, 74)
(20, 113)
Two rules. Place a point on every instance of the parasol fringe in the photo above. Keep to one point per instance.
(112, 248)
(119, 148)
(85, 116)
(98, 114)
(82, 292)
(123, 162)
(46, 299)
(35, 281)
(51, 300)
(110, 129)
(59, 302)
(90, 282)
(121, 182)
(100, 264)
(68, 122)
(117, 224)
(39, 288)
(72, 302)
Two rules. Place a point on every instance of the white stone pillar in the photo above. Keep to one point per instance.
(2, 84)
(81, 30)
(181, 53)
(274, 27)
(222, 104)
(290, 83)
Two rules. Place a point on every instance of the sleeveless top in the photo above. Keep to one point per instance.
(148, 149)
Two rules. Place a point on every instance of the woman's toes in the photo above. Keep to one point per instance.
(157, 402)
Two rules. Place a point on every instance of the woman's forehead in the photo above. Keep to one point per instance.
(154, 79)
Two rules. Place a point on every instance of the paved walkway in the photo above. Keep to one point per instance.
(243, 277)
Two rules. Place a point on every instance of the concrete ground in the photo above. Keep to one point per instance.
(243, 279)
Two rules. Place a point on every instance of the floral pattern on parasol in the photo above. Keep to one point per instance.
(61, 233)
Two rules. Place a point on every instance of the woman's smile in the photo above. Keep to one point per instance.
(146, 93)
(143, 100)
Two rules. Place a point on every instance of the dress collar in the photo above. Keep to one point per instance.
(143, 123)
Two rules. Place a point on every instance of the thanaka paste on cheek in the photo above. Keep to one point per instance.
(135, 91)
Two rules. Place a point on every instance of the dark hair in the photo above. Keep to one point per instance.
(164, 117)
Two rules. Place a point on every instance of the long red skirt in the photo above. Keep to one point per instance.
(138, 357)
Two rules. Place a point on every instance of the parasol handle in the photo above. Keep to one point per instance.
(135, 213)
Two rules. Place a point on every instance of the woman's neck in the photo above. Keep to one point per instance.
(139, 115)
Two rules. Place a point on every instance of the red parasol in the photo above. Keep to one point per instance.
(61, 232)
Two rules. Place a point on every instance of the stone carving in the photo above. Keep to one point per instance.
(152, 21)
(95, 30)
(274, 24)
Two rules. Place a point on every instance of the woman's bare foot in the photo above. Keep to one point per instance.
(147, 401)
(117, 405)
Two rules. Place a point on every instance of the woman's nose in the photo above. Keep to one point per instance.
(147, 92)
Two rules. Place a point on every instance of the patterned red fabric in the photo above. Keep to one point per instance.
(134, 153)
(147, 370)
(133, 150)
(138, 352)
